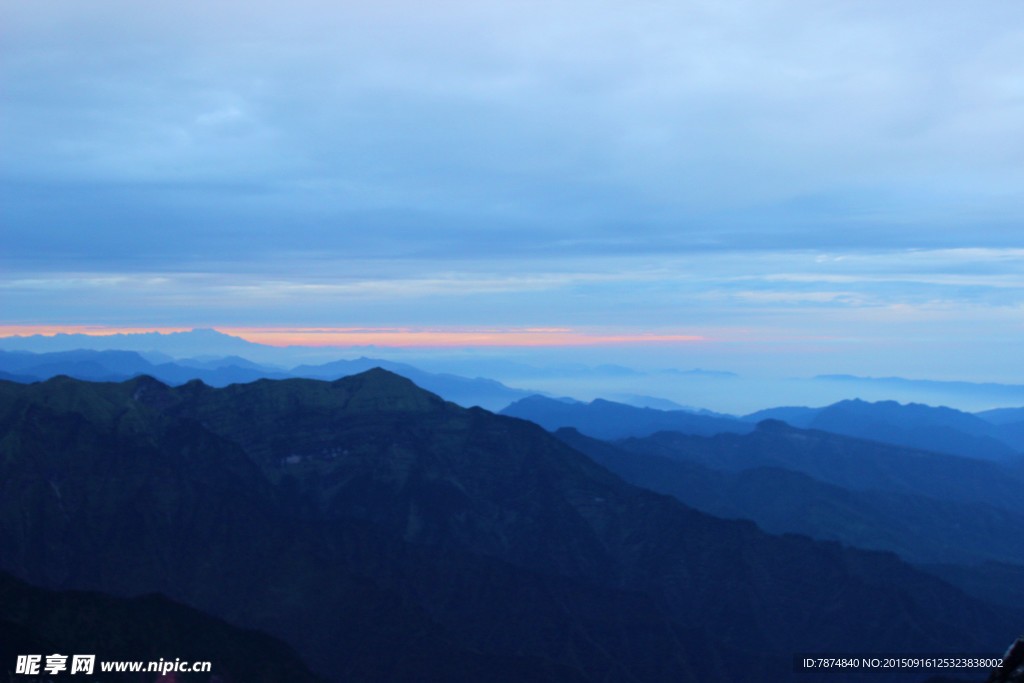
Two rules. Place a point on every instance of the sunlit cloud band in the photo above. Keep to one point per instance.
(392, 337)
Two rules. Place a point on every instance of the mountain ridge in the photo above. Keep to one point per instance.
(115, 366)
(935, 428)
(404, 499)
(606, 419)
(921, 529)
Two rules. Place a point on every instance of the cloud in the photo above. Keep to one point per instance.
(632, 292)
(653, 164)
(682, 126)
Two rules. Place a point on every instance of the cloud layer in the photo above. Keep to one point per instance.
(833, 170)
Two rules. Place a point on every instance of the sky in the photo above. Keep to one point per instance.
(784, 188)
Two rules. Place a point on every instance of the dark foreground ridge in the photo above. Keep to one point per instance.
(36, 621)
(388, 535)
(1012, 670)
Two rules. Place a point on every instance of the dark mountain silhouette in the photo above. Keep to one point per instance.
(603, 419)
(389, 535)
(940, 429)
(149, 628)
(919, 529)
(1012, 668)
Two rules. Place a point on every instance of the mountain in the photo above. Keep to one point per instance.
(113, 366)
(641, 401)
(216, 362)
(1011, 669)
(176, 344)
(148, 628)
(851, 463)
(918, 528)
(21, 379)
(1003, 416)
(876, 496)
(104, 488)
(903, 381)
(963, 395)
(796, 416)
(721, 391)
(84, 364)
(388, 535)
(485, 393)
(992, 392)
(609, 420)
(940, 429)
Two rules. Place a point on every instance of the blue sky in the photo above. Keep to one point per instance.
(807, 187)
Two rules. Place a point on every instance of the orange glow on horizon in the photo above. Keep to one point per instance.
(395, 337)
(447, 338)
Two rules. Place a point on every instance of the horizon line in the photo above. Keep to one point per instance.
(398, 337)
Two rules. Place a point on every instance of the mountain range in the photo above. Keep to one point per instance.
(550, 373)
(386, 534)
(936, 391)
(185, 344)
(920, 528)
(959, 517)
(856, 464)
(115, 366)
(995, 435)
(918, 426)
(610, 420)
(939, 429)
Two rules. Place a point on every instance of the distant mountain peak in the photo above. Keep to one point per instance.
(773, 426)
(379, 389)
(147, 381)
